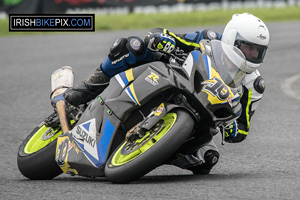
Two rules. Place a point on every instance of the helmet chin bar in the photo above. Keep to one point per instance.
(251, 67)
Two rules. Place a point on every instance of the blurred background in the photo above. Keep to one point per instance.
(130, 6)
(142, 14)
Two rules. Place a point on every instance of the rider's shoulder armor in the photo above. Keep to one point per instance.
(210, 34)
(254, 82)
(259, 85)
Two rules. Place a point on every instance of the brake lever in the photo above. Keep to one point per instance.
(223, 135)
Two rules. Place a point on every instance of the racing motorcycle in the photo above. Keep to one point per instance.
(142, 119)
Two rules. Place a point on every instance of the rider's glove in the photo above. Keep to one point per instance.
(164, 42)
(231, 131)
(233, 134)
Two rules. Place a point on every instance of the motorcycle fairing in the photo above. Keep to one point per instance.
(79, 156)
(148, 83)
(91, 146)
(218, 92)
(130, 90)
(218, 99)
(92, 137)
(94, 150)
(72, 160)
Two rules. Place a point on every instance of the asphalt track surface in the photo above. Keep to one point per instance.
(264, 166)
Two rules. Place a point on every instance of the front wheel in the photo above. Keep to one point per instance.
(132, 160)
(36, 156)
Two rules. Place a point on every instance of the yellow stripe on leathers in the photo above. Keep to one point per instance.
(182, 40)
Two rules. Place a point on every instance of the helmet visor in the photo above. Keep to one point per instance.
(254, 53)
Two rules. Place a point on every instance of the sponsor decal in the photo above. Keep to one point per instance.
(85, 136)
(87, 132)
(229, 99)
(202, 46)
(216, 87)
(120, 59)
(159, 109)
(116, 42)
(53, 22)
(261, 26)
(62, 150)
(152, 79)
(262, 37)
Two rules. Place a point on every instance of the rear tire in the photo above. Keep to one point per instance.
(36, 156)
(126, 165)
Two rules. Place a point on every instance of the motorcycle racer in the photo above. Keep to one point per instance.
(245, 31)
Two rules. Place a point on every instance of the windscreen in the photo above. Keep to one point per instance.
(230, 63)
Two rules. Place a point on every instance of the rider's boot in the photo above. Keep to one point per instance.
(125, 53)
(200, 161)
(211, 158)
(88, 89)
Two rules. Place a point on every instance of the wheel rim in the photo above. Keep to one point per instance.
(128, 152)
(41, 138)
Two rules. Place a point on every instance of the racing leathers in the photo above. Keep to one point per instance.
(130, 52)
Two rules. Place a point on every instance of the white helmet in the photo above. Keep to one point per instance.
(248, 33)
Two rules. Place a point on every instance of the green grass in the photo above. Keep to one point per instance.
(196, 18)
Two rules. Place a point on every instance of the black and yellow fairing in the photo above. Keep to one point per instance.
(221, 101)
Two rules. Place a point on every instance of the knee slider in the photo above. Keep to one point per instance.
(136, 46)
(118, 49)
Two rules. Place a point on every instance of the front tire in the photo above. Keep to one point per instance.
(127, 164)
(36, 155)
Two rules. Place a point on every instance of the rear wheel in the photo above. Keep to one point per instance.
(132, 160)
(36, 156)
